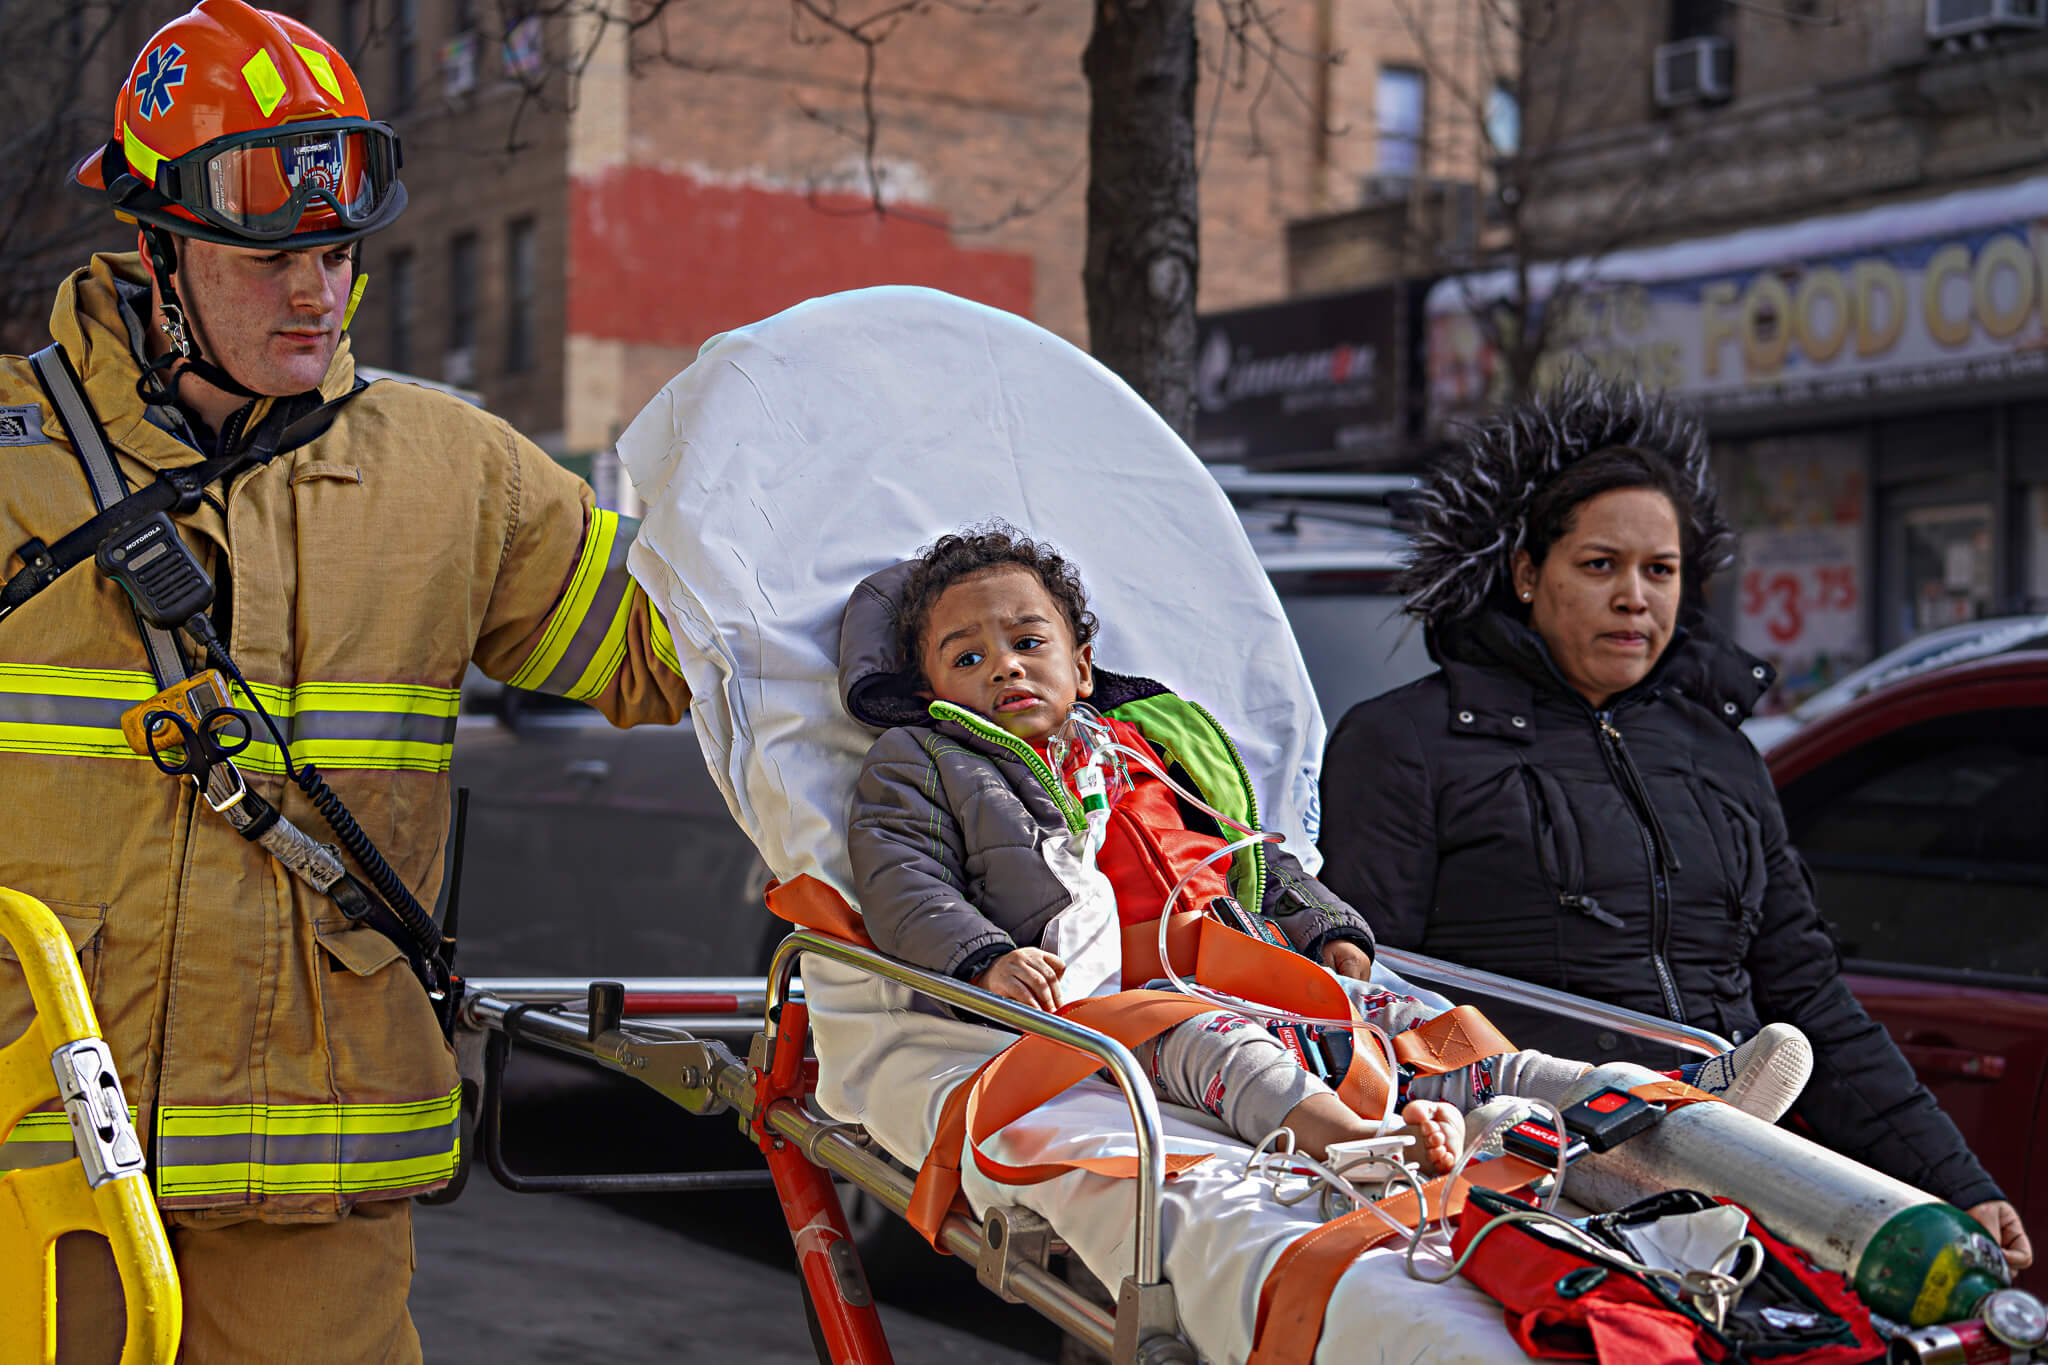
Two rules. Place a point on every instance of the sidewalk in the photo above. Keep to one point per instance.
(554, 1279)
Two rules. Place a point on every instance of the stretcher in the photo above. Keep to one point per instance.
(791, 460)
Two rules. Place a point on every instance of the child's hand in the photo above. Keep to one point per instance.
(1029, 976)
(1346, 958)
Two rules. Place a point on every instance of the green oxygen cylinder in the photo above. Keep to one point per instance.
(1928, 1262)
(1910, 1257)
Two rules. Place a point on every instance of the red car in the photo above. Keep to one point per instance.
(1922, 809)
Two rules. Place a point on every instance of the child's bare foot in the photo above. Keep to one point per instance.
(1439, 1133)
(1437, 1127)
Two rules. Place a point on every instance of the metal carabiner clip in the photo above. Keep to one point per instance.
(226, 803)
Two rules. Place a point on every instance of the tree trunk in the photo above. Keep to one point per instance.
(1143, 220)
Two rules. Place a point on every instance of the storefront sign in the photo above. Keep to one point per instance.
(1904, 298)
(1305, 378)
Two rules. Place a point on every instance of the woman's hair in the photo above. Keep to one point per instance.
(1520, 476)
(1555, 508)
(978, 549)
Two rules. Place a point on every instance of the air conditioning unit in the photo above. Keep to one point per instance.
(1963, 18)
(1695, 71)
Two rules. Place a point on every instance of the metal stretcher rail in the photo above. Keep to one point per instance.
(645, 1028)
(1122, 1066)
(704, 1078)
(1436, 972)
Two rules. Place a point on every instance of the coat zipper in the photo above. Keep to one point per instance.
(1070, 810)
(1251, 800)
(1663, 859)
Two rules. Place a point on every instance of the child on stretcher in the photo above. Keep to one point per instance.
(970, 659)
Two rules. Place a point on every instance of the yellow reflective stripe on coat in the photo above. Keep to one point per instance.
(45, 709)
(204, 1151)
(664, 641)
(584, 642)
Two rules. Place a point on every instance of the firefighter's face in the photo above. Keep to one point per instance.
(272, 319)
(997, 644)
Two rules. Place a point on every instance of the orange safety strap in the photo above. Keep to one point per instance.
(1025, 1075)
(1671, 1093)
(1458, 1037)
(809, 903)
(1296, 1294)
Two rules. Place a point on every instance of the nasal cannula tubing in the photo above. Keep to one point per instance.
(1098, 741)
(1092, 785)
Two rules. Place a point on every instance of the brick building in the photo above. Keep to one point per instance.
(587, 209)
(1821, 222)
(571, 243)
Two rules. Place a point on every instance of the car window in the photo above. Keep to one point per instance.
(1353, 636)
(1929, 847)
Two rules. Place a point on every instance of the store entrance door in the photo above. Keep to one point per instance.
(1940, 556)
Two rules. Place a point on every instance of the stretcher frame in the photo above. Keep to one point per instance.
(648, 1029)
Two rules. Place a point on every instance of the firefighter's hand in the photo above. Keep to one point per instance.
(1346, 958)
(1029, 976)
(2003, 1221)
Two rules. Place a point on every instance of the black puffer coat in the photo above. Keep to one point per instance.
(1488, 815)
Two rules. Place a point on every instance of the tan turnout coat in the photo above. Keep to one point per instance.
(279, 1061)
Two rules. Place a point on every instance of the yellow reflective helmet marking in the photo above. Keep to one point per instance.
(264, 81)
(141, 156)
(322, 69)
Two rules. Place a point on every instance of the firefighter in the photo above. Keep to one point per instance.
(289, 1077)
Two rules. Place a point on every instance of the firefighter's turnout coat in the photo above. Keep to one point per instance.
(278, 1060)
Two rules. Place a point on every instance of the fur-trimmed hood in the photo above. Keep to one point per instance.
(1472, 513)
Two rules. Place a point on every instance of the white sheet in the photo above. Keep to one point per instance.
(800, 454)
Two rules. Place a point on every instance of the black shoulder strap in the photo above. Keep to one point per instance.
(175, 490)
(109, 488)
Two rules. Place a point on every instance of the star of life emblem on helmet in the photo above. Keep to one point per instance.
(162, 69)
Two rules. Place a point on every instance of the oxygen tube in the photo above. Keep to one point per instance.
(1086, 746)
(1085, 751)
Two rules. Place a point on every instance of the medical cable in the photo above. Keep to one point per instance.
(1087, 725)
(1087, 728)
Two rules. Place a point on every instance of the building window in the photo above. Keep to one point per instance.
(1399, 105)
(400, 355)
(463, 19)
(1695, 19)
(404, 53)
(459, 365)
(1503, 121)
(519, 294)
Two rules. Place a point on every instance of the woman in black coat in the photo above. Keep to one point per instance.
(1569, 799)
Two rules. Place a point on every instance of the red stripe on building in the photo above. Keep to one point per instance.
(659, 258)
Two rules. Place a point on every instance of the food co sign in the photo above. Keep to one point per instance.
(1950, 291)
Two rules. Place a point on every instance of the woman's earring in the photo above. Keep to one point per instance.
(1528, 596)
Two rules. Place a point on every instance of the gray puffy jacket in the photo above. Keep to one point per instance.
(963, 847)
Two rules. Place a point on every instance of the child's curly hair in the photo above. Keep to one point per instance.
(977, 549)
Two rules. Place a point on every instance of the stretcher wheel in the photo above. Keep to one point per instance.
(103, 1188)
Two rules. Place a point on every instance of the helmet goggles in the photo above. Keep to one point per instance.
(261, 184)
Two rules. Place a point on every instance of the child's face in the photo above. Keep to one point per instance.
(999, 645)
